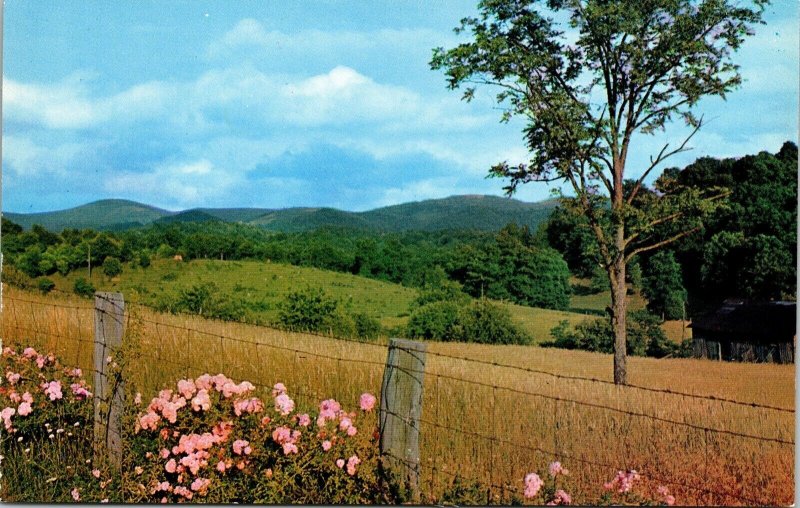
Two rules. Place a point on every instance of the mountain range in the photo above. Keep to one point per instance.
(487, 213)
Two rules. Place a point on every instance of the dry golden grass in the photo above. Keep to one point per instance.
(501, 434)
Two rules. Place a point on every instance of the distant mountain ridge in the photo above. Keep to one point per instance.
(487, 213)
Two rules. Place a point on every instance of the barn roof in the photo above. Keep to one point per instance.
(773, 321)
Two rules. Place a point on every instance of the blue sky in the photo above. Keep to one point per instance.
(288, 103)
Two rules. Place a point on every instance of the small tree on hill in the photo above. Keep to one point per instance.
(623, 68)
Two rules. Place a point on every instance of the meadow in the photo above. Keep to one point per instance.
(486, 423)
(262, 286)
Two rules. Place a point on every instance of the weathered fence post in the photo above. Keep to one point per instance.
(109, 320)
(401, 409)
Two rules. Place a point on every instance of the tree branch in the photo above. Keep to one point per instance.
(661, 243)
(662, 156)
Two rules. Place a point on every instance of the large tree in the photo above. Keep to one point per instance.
(587, 76)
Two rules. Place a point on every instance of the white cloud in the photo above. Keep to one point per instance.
(68, 104)
(25, 158)
(176, 185)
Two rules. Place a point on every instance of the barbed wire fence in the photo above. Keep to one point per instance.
(473, 432)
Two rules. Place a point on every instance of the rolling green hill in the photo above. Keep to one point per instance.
(108, 214)
(485, 213)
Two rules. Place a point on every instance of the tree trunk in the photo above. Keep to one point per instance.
(618, 313)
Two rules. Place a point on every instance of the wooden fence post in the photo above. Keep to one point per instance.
(401, 409)
(109, 320)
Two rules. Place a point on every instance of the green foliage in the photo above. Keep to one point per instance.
(313, 310)
(488, 323)
(45, 285)
(645, 336)
(366, 326)
(436, 320)
(112, 267)
(599, 281)
(144, 260)
(663, 286)
(83, 288)
(480, 321)
(444, 291)
(205, 300)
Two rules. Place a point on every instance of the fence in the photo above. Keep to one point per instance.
(447, 420)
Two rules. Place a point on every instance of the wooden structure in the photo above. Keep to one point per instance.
(747, 331)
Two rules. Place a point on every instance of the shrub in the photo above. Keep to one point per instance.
(144, 260)
(367, 327)
(211, 440)
(47, 413)
(645, 336)
(45, 285)
(203, 299)
(83, 288)
(489, 323)
(436, 320)
(443, 291)
(112, 267)
(307, 310)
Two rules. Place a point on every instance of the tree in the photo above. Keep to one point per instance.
(112, 266)
(663, 286)
(623, 68)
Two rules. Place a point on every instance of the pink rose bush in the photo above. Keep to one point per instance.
(216, 440)
(46, 414)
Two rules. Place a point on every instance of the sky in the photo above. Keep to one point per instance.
(276, 104)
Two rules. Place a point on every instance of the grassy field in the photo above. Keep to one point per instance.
(493, 433)
(263, 285)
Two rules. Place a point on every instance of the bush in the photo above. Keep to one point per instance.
(436, 320)
(112, 267)
(367, 327)
(310, 310)
(83, 288)
(45, 285)
(144, 260)
(645, 336)
(489, 323)
(211, 440)
(203, 299)
(47, 415)
(443, 291)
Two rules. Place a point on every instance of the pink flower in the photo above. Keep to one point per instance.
(6, 415)
(241, 447)
(27, 397)
(76, 495)
(340, 463)
(623, 481)
(13, 377)
(221, 466)
(345, 423)
(15, 397)
(171, 466)
(24, 409)
(75, 372)
(138, 470)
(328, 409)
(669, 500)
(183, 491)
(326, 445)
(560, 498)
(29, 353)
(96, 473)
(53, 390)
(289, 448)
(557, 469)
(351, 431)
(284, 404)
(532, 485)
(253, 405)
(367, 401)
(304, 420)
(352, 462)
(40, 361)
(186, 388)
(278, 389)
(149, 421)
(202, 401)
(282, 434)
(79, 391)
(164, 453)
(200, 484)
